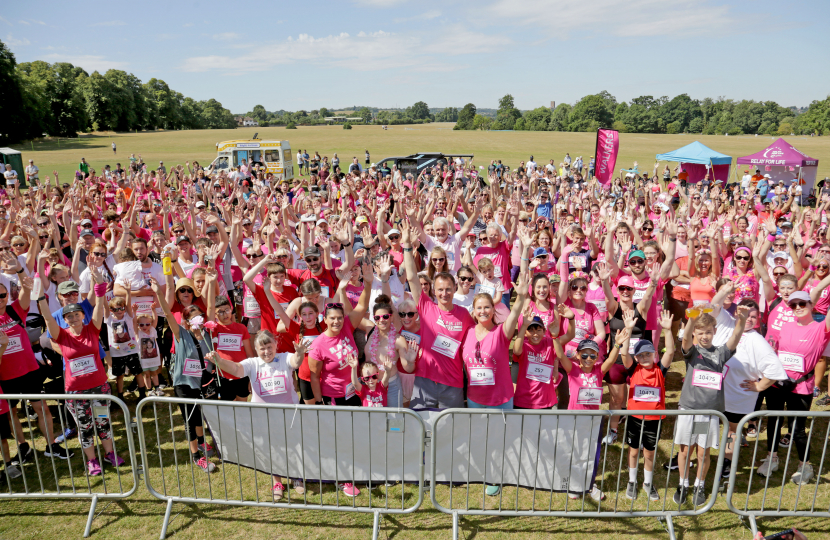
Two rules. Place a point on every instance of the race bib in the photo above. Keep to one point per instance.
(580, 334)
(632, 342)
(324, 290)
(272, 386)
(578, 261)
(647, 394)
(707, 379)
(308, 340)
(488, 289)
(150, 364)
(589, 396)
(229, 342)
(192, 368)
(600, 304)
(350, 391)
(539, 372)
(144, 306)
(15, 345)
(252, 307)
(497, 271)
(445, 345)
(639, 294)
(791, 361)
(82, 366)
(410, 336)
(482, 377)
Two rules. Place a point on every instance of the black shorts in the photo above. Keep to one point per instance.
(616, 375)
(353, 401)
(734, 418)
(230, 389)
(30, 383)
(5, 426)
(305, 390)
(120, 363)
(650, 434)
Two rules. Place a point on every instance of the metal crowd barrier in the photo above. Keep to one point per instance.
(535, 456)
(379, 450)
(55, 478)
(752, 495)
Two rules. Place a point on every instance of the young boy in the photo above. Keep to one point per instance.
(366, 385)
(646, 391)
(702, 389)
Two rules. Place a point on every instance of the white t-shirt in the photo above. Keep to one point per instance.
(753, 359)
(11, 176)
(154, 271)
(723, 328)
(86, 278)
(745, 181)
(121, 336)
(452, 246)
(271, 382)
(129, 275)
(32, 171)
(531, 166)
(465, 301)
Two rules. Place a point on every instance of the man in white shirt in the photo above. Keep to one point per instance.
(530, 165)
(550, 167)
(10, 175)
(746, 179)
(32, 173)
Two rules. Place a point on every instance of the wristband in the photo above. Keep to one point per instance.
(19, 271)
(41, 298)
(673, 239)
(100, 289)
(407, 250)
(528, 260)
(771, 238)
(812, 268)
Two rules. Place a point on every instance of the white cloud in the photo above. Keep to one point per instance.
(110, 23)
(89, 62)
(38, 22)
(624, 18)
(365, 51)
(426, 16)
(14, 42)
(6, 21)
(27, 23)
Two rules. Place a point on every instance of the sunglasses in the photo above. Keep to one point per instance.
(779, 274)
(186, 290)
(3, 295)
(625, 289)
(636, 262)
(394, 237)
(797, 305)
(42, 223)
(282, 256)
(780, 245)
(822, 266)
(586, 356)
(99, 253)
(648, 229)
(407, 314)
(44, 237)
(18, 245)
(438, 259)
(470, 279)
(144, 325)
(179, 231)
(254, 255)
(737, 258)
(118, 309)
(369, 378)
(312, 259)
(334, 305)
(384, 317)
(70, 293)
(582, 288)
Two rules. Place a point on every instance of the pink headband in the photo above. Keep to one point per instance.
(744, 248)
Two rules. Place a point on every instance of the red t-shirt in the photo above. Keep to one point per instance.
(18, 360)
(328, 281)
(229, 343)
(293, 336)
(373, 398)
(82, 366)
(647, 391)
(268, 318)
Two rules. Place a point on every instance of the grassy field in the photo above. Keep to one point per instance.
(177, 147)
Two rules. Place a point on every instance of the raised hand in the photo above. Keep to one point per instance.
(666, 319)
(300, 349)
(352, 360)
(629, 319)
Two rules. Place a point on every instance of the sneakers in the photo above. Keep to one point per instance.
(492, 490)
(110, 376)
(299, 486)
(58, 451)
(206, 449)
(652, 492)
(28, 456)
(277, 491)
(205, 465)
(823, 401)
(112, 459)
(768, 466)
(597, 495)
(611, 438)
(680, 495)
(784, 442)
(350, 491)
(13, 471)
(671, 465)
(803, 475)
(751, 432)
(727, 468)
(30, 411)
(68, 434)
(700, 497)
(93, 467)
(631, 491)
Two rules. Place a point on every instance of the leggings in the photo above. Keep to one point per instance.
(193, 413)
(776, 400)
(88, 423)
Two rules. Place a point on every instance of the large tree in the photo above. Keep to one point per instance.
(507, 113)
(466, 117)
(419, 111)
(590, 113)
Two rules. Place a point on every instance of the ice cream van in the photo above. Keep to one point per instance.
(275, 156)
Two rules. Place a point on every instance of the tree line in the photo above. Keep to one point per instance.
(647, 114)
(60, 99)
(418, 113)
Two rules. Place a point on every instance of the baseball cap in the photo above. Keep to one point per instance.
(799, 295)
(780, 255)
(200, 204)
(72, 308)
(637, 253)
(246, 221)
(182, 238)
(536, 321)
(319, 221)
(87, 232)
(539, 252)
(588, 344)
(358, 246)
(643, 346)
(83, 221)
(68, 287)
(392, 231)
(786, 225)
(212, 229)
(311, 252)
(626, 281)
(362, 219)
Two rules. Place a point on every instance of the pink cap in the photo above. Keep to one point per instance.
(626, 281)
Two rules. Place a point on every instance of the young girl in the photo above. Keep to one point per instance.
(123, 344)
(537, 356)
(372, 392)
(488, 282)
(380, 348)
(270, 376)
(145, 330)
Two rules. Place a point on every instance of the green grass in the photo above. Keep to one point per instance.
(141, 515)
(177, 147)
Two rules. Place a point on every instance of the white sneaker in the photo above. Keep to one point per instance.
(611, 438)
(597, 495)
(803, 475)
(13, 471)
(769, 466)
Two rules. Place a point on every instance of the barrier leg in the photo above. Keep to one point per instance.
(455, 519)
(376, 525)
(92, 506)
(164, 525)
(670, 527)
(753, 525)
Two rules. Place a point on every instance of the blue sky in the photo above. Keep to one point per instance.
(386, 53)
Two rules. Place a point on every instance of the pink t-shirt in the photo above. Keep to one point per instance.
(585, 388)
(4, 404)
(373, 398)
(251, 307)
(488, 367)
(82, 366)
(536, 385)
(823, 301)
(585, 322)
(597, 298)
(332, 352)
(442, 333)
(18, 360)
(500, 255)
(799, 348)
(778, 317)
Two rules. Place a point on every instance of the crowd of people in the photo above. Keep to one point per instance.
(530, 288)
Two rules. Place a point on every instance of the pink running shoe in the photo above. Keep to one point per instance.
(93, 467)
(278, 490)
(112, 459)
(350, 491)
(205, 465)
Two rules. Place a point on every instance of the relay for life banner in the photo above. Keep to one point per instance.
(608, 145)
